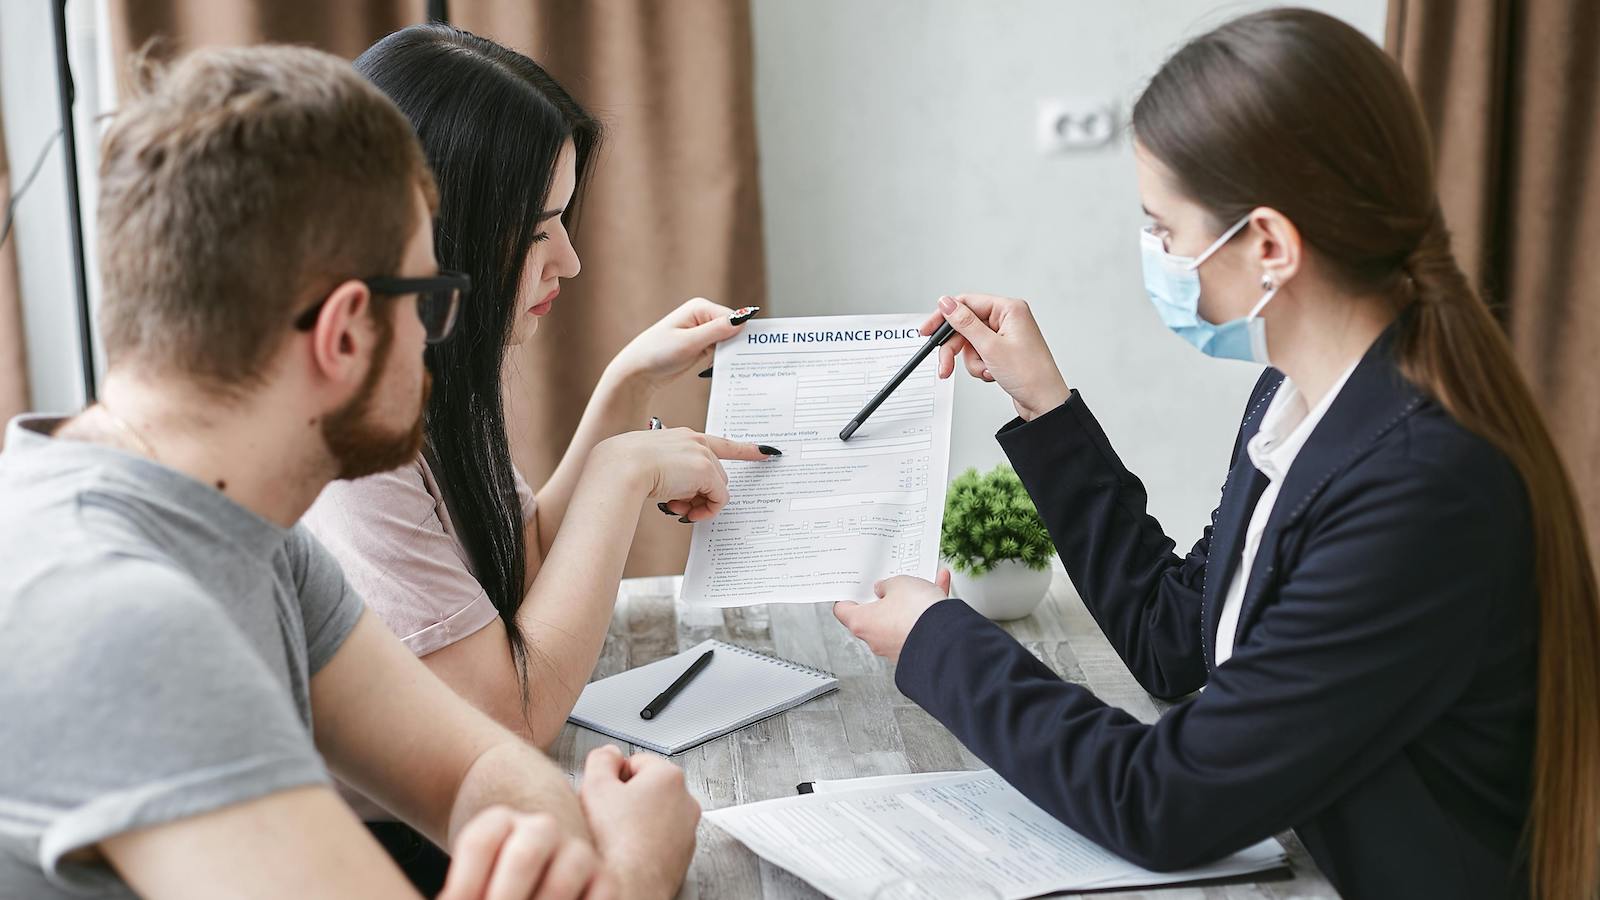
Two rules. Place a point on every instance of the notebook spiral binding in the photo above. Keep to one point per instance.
(777, 659)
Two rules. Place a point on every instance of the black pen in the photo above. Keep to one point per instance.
(935, 340)
(665, 697)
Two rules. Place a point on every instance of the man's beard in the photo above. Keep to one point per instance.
(359, 444)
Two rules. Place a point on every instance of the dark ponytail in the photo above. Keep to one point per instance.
(1455, 349)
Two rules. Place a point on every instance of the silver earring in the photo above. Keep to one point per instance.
(1266, 283)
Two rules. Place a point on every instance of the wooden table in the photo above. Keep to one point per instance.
(867, 727)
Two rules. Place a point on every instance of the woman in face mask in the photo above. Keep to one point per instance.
(1393, 614)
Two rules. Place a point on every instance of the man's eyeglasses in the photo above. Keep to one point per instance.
(438, 300)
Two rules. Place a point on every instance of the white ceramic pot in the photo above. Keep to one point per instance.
(1010, 590)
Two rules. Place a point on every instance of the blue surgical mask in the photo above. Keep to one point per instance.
(1173, 283)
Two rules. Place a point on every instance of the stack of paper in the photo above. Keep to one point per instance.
(851, 837)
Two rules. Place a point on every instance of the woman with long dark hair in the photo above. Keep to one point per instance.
(505, 592)
(1393, 614)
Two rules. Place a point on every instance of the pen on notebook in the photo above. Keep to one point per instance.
(934, 340)
(662, 699)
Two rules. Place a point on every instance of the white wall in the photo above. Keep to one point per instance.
(49, 314)
(898, 162)
(44, 251)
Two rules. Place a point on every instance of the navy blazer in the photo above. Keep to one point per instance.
(1380, 695)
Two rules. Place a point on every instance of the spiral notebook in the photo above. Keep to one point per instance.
(739, 687)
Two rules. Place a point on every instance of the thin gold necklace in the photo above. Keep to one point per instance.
(130, 431)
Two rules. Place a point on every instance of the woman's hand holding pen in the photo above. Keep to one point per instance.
(678, 467)
(999, 341)
(682, 342)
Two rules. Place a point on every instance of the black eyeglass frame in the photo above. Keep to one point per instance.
(458, 283)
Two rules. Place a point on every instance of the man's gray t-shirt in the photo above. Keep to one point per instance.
(157, 642)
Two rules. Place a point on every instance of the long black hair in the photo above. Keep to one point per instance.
(493, 123)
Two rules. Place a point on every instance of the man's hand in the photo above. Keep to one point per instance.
(885, 624)
(503, 854)
(642, 818)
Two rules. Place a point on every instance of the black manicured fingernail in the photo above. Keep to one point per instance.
(685, 519)
(770, 451)
(743, 314)
(663, 508)
(707, 372)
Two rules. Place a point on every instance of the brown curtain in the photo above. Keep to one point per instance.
(13, 358)
(673, 209)
(346, 27)
(1511, 90)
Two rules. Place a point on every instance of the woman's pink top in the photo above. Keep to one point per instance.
(394, 539)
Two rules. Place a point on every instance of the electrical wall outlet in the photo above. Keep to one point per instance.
(1065, 125)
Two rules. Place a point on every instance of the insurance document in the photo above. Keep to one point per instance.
(851, 838)
(829, 517)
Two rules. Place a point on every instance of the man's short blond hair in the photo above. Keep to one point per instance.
(237, 186)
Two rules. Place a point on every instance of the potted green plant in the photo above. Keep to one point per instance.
(997, 547)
